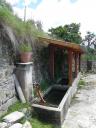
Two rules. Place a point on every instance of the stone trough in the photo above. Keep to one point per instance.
(58, 99)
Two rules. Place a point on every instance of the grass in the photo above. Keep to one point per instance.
(81, 84)
(20, 27)
(33, 118)
(37, 124)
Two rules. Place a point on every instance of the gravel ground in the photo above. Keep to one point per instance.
(82, 111)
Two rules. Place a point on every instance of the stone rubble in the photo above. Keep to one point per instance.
(12, 119)
(17, 125)
(3, 125)
(27, 125)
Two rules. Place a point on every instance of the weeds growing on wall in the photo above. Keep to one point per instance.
(20, 27)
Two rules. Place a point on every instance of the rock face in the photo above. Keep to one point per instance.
(7, 86)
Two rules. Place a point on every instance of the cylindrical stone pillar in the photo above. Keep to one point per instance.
(24, 76)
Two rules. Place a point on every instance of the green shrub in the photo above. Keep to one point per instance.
(25, 47)
(81, 84)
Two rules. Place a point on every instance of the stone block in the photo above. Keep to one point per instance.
(13, 117)
(27, 125)
(17, 125)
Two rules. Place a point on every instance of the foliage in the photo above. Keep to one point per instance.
(81, 84)
(90, 40)
(25, 47)
(18, 106)
(68, 33)
(33, 118)
(90, 43)
(38, 124)
(20, 27)
(90, 57)
(4, 4)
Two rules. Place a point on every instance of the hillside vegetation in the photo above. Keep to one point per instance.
(19, 27)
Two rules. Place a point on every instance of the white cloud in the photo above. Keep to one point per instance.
(53, 13)
(34, 1)
(28, 2)
(20, 12)
(12, 2)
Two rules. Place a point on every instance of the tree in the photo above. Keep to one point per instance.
(4, 4)
(90, 40)
(68, 33)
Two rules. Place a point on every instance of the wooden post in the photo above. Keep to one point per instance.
(76, 69)
(70, 66)
(79, 62)
(62, 66)
(51, 61)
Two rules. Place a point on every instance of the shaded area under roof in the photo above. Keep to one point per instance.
(62, 44)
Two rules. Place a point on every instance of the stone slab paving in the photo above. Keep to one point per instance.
(82, 111)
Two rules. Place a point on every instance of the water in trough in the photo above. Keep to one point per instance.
(54, 97)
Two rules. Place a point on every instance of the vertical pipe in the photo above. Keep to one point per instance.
(25, 13)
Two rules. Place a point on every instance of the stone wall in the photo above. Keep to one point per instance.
(94, 66)
(84, 66)
(7, 86)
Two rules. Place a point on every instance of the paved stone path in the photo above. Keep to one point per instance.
(82, 111)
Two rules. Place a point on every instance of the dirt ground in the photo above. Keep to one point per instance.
(82, 111)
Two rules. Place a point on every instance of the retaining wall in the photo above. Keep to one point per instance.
(84, 66)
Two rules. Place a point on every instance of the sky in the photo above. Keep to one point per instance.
(53, 13)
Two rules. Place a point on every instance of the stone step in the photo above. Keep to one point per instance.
(13, 117)
(17, 125)
(3, 125)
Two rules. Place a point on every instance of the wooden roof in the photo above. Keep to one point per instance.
(62, 44)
